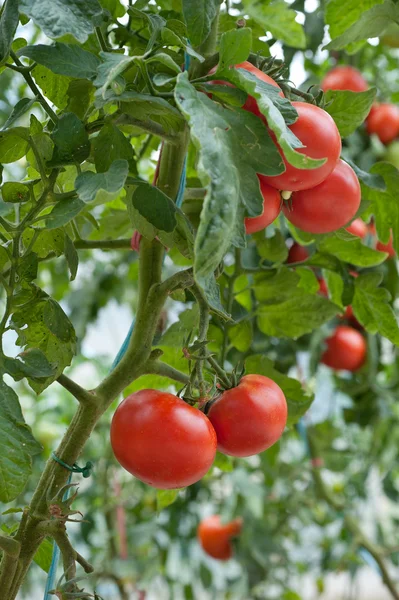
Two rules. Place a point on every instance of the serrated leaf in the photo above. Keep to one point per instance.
(64, 59)
(372, 309)
(235, 47)
(109, 145)
(199, 16)
(166, 498)
(349, 109)
(15, 192)
(351, 250)
(63, 212)
(31, 363)
(225, 139)
(71, 256)
(298, 400)
(8, 24)
(44, 554)
(60, 17)
(279, 19)
(88, 184)
(71, 141)
(13, 144)
(17, 446)
(287, 310)
(21, 107)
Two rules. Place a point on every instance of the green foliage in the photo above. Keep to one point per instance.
(64, 59)
(349, 109)
(8, 25)
(199, 16)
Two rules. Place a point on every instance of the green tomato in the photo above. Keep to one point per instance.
(392, 154)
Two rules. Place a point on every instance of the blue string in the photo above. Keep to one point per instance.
(121, 353)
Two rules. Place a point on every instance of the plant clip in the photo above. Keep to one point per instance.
(85, 471)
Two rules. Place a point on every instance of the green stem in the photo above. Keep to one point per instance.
(101, 40)
(230, 301)
(202, 334)
(159, 368)
(219, 371)
(122, 244)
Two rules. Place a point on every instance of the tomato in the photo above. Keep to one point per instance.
(323, 289)
(346, 349)
(249, 418)
(329, 205)
(344, 78)
(271, 208)
(383, 120)
(250, 105)
(214, 536)
(383, 247)
(161, 440)
(297, 253)
(320, 137)
(358, 228)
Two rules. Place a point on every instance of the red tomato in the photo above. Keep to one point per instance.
(249, 418)
(297, 253)
(161, 440)
(358, 228)
(344, 78)
(320, 137)
(384, 122)
(323, 289)
(383, 247)
(327, 206)
(271, 208)
(251, 105)
(346, 349)
(214, 536)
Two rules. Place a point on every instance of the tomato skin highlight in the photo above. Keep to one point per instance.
(249, 418)
(383, 120)
(328, 206)
(297, 253)
(344, 78)
(317, 131)
(214, 536)
(358, 228)
(271, 208)
(161, 440)
(346, 349)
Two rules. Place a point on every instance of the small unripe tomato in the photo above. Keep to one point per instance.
(383, 120)
(297, 253)
(344, 77)
(161, 440)
(215, 537)
(271, 209)
(249, 418)
(358, 228)
(346, 349)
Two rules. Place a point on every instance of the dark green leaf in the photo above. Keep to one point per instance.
(63, 212)
(8, 24)
(53, 86)
(15, 192)
(199, 16)
(13, 144)
(112, 66)
(155, 24)
(351, 250)
(21, 107)
(109, 145)
(279, 19)
(273, 248)
(298, 400)
(235, 47)
(71, 256)
(27, 267)
(88, 184)
(64, 59)
(59, 17)
(349, 109)
(71, 141)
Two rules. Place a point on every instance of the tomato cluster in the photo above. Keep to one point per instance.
(166, 443)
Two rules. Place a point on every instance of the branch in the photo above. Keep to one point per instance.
(178, 281)
(148, 126)
(10, 546)
(123, 243)
(82, 396)
(155, 367)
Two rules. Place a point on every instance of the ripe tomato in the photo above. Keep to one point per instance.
(320, 137)
(297, 253)
(344, 78)
(358, 228)
(214, 536)
(271, 208)
(329, 205)
(323, 289)
(161, 440)
(383, 120)
(383, 247)
(249, 418)
(346, 349)
(250, 105)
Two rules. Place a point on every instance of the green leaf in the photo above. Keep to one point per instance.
(41, 323)
(235, 47)
(13, 144)
(166, 498)
(79, 96)
(115, 8)
(369, 24)
(71, 141)
(371, 307)
(44, 555)
(340, 15)
(240, 336)
(15, 192)
(112, 66)
(21, 107)
(223, 462)
(64, 59)
(273, 248)
(8, 24)
(18, 446)
(165, 60)
(287, 310)
(109, 145)
(298, 400)
(31, 363)
(59, 17)
(349, 109)
(27, 268)
(351, 250)
(179, 331)
(199, 16)
(212, 294)
(63, 212)
(154, 22)
(279, 19)
(228, 168)
(88, 184)
(46, 241)
(71, 256)
(54, 87)
(144, 108)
